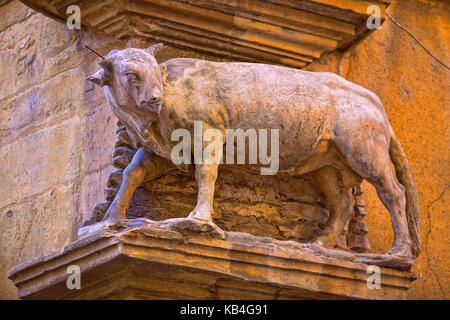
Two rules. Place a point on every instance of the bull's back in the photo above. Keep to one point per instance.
(300, 104)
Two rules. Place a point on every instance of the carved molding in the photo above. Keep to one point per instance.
(286, 32)
(143, 261)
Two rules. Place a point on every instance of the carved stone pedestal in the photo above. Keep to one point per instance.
(139, 259)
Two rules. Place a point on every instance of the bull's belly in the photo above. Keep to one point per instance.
(284, 149)
(279, 154)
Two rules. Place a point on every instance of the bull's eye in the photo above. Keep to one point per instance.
(132, 78)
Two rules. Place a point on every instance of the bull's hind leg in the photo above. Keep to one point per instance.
(330, 181)
(371, 161)
(392, 195)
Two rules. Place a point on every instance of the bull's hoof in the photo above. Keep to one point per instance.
(106, 226)
(385, 260)
(193, 225)
(114, 213)
(201, 215)
(401, 251)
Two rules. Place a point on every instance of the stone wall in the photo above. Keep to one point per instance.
(57, 133)
(51, 160)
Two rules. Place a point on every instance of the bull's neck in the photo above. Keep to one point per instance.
(144, 129)
(157, 137)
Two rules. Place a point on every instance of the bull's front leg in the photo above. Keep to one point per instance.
(133, 175)
(206, 175)
(200, 219)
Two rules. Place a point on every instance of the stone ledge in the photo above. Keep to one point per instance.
(286, 32)
(135, 259)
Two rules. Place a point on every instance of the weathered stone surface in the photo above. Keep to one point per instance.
(41, 129)
(32, 105)
(98, 136)
(28, 228)
(238, 204)
(39, 161)
(140, 262)
(13, 12)
(90, 192)
(21, 66)
(43, 105)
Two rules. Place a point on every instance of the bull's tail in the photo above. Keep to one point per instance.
(405, 177)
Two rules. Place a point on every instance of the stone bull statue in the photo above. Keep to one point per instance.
(330, 127)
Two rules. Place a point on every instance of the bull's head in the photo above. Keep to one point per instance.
(132, 80)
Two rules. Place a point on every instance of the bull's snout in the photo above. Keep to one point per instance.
(155, 98)
(152, 102)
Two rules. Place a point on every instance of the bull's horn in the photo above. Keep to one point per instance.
(154, 49)
(112, 52)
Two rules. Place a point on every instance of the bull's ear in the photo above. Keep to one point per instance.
(154, 49)
(99, 78)
(105, 64)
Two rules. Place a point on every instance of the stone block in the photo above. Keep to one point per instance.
(21, 60)
(42, 105)
(92, 190)
(62, 59)
(12, 13)
(39, 161)
(35, 226)
(98, 132)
